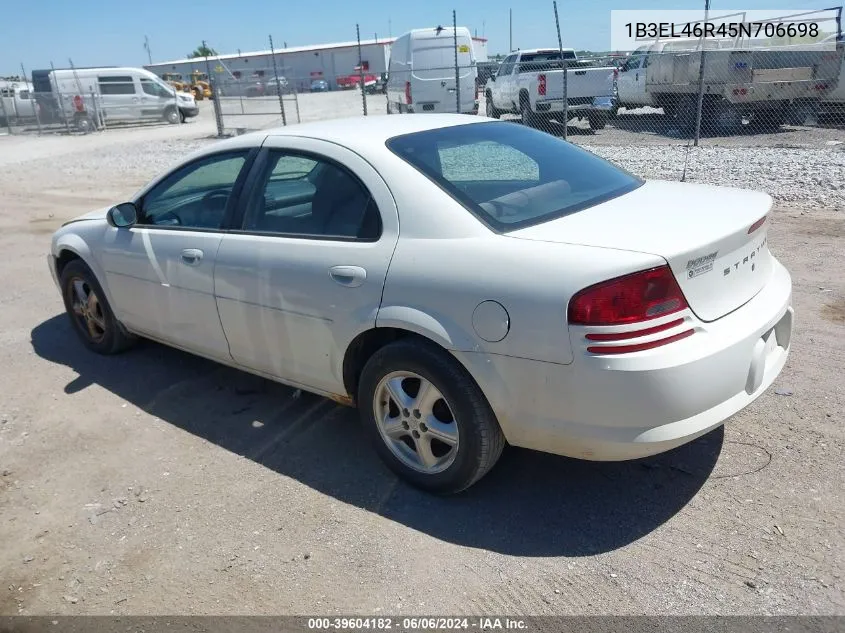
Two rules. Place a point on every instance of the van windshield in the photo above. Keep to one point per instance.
(435, 59)
(511, 176)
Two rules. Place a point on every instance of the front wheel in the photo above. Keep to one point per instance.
(89, 311)
(171, 115)
(597, 121)
(427, 418)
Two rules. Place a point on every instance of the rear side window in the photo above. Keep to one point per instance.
(511, 176)
(116, 85)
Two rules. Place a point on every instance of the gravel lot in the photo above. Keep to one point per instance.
(158, 483)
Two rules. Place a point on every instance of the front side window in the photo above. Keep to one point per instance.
(153, 88)
(195, 196)
(307, 196)
(511, 176)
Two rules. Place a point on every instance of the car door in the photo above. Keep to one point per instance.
(625, 80)
(154, 99)
(304, 275)
(160, 271)
(504, 83)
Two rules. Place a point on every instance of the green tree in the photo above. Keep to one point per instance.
(202, 51)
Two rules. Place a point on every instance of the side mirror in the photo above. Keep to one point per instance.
(123, 215)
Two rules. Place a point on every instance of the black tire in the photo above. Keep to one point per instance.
(172, 115)
(686, 115)
(529, 118)
(597, 121)
(114, 337)
(480, 442)
(490, 110)
(83, 124)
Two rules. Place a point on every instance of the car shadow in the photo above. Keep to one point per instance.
(530, 504)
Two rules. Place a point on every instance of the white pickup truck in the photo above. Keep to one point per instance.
(530, 83)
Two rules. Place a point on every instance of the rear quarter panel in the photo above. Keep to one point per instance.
(434, 286)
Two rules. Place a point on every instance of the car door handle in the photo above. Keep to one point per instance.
(191, 256)
(350, 276)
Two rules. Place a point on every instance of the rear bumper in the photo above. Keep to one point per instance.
(609, 408)
(594, 104)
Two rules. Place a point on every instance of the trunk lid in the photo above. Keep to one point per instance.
(702, 231)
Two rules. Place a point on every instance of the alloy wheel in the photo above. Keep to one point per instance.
(416, 422)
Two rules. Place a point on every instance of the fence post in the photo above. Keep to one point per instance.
(5, 114)
(699, 106)
(215, 95)
(361, 69)
(565, 78)
(60, 102)
(278, 84)
(457, 71)
(32, 101)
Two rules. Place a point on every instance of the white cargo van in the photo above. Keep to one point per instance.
(421, 71)
(122, 94)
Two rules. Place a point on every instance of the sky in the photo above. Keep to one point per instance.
(96, 32)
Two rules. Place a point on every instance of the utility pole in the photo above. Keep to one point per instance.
(510, 30)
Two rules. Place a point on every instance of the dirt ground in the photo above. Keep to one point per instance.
(155, 482)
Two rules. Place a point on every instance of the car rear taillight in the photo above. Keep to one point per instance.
(541, 85)
(757, 224)
(408, 93)
(629, 300)
(641, 296)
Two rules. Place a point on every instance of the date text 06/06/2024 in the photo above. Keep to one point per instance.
(724, 29)
(416, 623)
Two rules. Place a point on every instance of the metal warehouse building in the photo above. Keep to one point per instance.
(299, 64)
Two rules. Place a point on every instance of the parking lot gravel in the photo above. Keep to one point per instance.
(155, 482)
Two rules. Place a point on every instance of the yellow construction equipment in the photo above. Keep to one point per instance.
(200, 86)
(175, 80)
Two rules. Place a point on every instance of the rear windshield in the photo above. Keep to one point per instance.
(540, 62)
(511, 176)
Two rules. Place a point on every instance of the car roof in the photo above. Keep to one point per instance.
(362, 134)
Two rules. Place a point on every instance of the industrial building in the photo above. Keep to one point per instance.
(299, 64)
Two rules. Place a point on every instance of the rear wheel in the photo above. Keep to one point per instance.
(529, 118)
(492, 111)
(685, 114)
(89, 311)
(597, 121)
(427, 418)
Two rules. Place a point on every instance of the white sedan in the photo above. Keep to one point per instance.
(465, 282)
